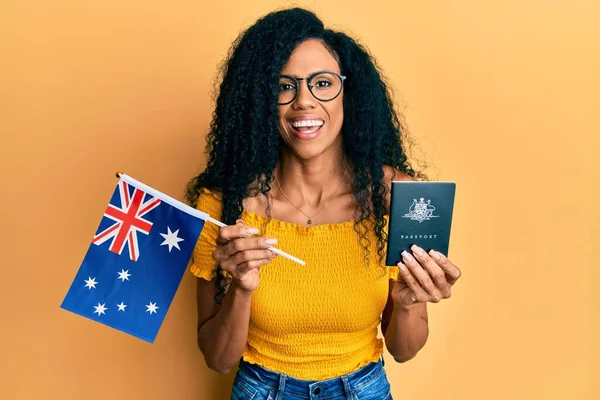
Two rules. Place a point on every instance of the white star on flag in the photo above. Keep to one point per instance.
(151, 308)
(124, 275)
(100, 309)
(171, 239)
(90, 283)
(121, 306)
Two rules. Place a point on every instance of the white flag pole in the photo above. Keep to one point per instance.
(200, 214)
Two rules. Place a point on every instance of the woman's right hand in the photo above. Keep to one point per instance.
(241, 254)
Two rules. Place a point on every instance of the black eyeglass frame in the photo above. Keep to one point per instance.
(308, 79)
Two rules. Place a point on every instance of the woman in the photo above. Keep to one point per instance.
(302, 149)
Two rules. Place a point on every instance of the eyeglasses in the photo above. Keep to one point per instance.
(323, 85)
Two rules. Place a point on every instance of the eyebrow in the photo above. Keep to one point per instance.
(311, 74)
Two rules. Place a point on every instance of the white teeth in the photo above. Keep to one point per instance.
(306, 122)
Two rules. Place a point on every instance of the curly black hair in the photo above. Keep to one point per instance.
(243, 144)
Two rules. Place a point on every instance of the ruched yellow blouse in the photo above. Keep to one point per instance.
(314, 321)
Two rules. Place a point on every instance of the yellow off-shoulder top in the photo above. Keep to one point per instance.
(315, 321)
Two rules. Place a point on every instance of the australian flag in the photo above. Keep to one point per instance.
(136, 260)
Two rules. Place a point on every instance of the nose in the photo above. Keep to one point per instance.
(304, 99)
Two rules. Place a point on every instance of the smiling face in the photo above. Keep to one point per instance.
(309, 126)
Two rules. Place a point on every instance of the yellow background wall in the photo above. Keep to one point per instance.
(503, 96)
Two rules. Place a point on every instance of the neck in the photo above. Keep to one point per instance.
(311, 183)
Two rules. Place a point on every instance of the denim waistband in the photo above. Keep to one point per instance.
(310, 389)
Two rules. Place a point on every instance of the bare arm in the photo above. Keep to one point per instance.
(405, 328)
(223, 329)
(423, 278)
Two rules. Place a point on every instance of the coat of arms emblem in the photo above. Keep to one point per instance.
(420, 210)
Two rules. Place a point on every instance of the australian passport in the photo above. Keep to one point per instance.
(421, 214)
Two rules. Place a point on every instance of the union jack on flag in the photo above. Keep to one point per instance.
(136, 260)
(128, 220)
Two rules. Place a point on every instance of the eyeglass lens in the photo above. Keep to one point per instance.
(324, 86)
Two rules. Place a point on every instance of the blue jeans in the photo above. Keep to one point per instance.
(253, 382)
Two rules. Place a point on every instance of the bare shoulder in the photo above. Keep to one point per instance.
(255, 202)
(394, 174)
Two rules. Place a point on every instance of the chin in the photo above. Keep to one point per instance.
(307, 150)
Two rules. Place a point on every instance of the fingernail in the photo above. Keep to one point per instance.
(252, 231)
(402, 266)
(406, 256)
(272, 253)
(417, 250)
(435, 254)
(271, 241)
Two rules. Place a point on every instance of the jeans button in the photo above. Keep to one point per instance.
(317, 390)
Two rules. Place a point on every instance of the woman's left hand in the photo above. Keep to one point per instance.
(428, 278)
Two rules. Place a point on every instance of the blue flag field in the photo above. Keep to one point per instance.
(136, 260)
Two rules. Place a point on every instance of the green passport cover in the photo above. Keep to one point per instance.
(421, 214)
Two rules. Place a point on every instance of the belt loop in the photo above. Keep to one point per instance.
(281, 387)
(347, 389)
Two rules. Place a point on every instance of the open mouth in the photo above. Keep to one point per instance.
(306, 128)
